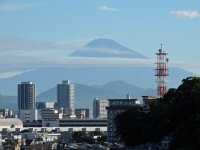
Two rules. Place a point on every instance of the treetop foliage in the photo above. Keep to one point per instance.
(177, 114)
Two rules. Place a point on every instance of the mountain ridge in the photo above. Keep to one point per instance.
(46, 78)
(106, 48)
(84, 94)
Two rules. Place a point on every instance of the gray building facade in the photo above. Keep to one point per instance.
(26, 96)
(65, 97)
(99, 108)
(27, 101)
(117, 106)
(83, 113)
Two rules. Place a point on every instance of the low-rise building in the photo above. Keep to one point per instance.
(83, 113)
(148, 100)
(6, 113)
(50, 117)
(83, 123)
(43, 105)
(43, 138)
(115, 107)
(28, 115)
(10, 123)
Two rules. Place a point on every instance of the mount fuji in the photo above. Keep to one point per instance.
(106, 48)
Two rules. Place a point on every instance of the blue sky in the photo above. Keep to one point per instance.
(51, 29)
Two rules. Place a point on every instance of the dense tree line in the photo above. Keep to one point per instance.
(177, 114)
(88, 137)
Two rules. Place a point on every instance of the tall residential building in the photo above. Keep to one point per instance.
(99, 108)
(26, 96)
(65, 97)
(115, 107)
(26, 101)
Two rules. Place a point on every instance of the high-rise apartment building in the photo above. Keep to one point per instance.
(99, 108)
(26, 96)
(27, 101)
(65, 97)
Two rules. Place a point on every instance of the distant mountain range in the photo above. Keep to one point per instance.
(102, 82)
(9, 102)
(106, 48)
(84, 94)
(47, 78)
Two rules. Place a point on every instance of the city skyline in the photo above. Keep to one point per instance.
(108, 49)
(46, 32)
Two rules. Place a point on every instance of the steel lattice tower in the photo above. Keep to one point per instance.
(161, 72)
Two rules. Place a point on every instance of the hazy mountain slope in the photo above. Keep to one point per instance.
(142, 78)
(9, 102)
(123, 88)
(106, 48)
(84, 95)
(47, 78)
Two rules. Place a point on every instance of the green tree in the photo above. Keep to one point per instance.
(130, 125)
(88, 137)
(79, 136)
(177, 113)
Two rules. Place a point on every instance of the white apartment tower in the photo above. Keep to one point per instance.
(99, 108)
(65, 97)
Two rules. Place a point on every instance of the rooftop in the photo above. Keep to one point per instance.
(10, 121)
(124, 100)
(27, 82)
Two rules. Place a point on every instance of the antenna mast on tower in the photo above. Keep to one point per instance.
(161, 72)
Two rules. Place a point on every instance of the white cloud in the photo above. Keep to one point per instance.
(34, 48)
(21, 44)
(5, 75)
(21, 62)
(24, 62)
(184, 14)
(106, 8)
(13, 6)
(189, 66)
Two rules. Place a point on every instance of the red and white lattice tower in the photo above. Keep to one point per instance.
(161, 72)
